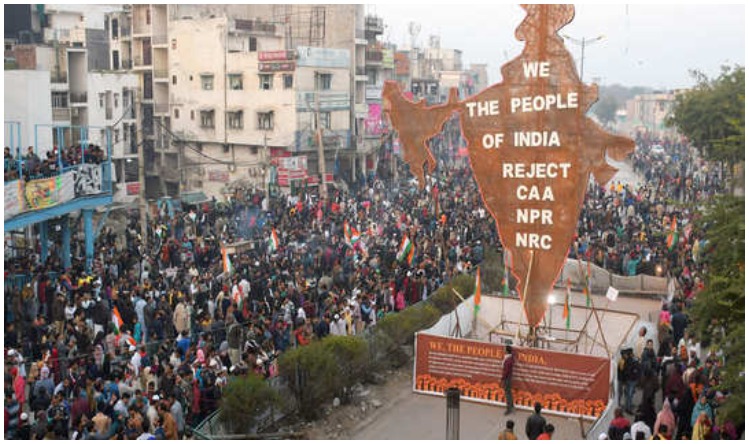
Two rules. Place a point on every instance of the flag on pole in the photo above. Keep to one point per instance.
(566, 313)
(506, 278)
(477, 292)
(273, 242)
(673, 237)
(586, 287)
(406, 250)
(228, 267)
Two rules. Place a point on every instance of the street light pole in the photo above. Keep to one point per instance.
(582, 44)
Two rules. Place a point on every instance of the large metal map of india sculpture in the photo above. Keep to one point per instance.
(531, 147)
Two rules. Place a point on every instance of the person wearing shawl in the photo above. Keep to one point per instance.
(702, 427)
(666, 417)
(701, 407)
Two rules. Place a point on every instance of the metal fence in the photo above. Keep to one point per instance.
(602, 279)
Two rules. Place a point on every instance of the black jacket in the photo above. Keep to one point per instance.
(534, 426)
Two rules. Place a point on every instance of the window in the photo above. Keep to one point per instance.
(148, 15)
(59, 99)
(115, 29)
(323, 81)
(236, 119)
(125, 131)
(206, 119)
(253, 44)
(115, 59)
(324, 120)
(265, 120)
(266, 81)
(116, 100)
(206, 82)
(116, 135)
(192, 115)
(235, 81)
(288, 81)
(176, 113)
(174, 80)
(101, 100)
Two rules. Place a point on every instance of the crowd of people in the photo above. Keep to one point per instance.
(31, 167)
(681, 372)
(143, 344)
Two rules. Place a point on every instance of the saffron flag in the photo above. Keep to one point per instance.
(228, 267)
(273, 242)
(672, 238)
(566, 313)
(406, 250)
(116, 318)
(587, 283)
(477, 292)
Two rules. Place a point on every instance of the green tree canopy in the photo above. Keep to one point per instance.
(711, 115)
(718, 310)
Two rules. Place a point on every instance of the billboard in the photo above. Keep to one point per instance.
(323, 57)
(564, 383)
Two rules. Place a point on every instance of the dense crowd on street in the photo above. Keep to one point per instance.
(142, 345)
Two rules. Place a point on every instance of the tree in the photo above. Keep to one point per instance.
(719, 309)
(606, 109)
(245, 400)
(711, 116)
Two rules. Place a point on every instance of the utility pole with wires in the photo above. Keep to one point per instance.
(143, 205)
(582, 44)
(320, 145)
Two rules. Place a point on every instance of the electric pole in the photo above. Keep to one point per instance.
(143, 205)
(582, 44)
(320, 146)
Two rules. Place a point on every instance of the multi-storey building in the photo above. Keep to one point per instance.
(73, 86)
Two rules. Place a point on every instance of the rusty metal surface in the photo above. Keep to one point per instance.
(550, 104)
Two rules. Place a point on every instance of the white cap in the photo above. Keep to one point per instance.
(24, 416)
(132, 348)
(603, 436)
(155, 398)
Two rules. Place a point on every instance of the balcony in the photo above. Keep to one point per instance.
(58, 78)
(159, 40)
(161, 108)
(373, 56)
(160, 75)
(78, 98)
(140, 62)
(254, 26)
(61, 114)
(126, 64)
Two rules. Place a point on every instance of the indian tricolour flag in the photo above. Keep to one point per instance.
(228, 266)
(406, 250)
(477, 296)
(350, 234)
(673, 237)
(273, 242)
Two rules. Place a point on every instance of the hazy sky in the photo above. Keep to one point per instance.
(643, 44)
